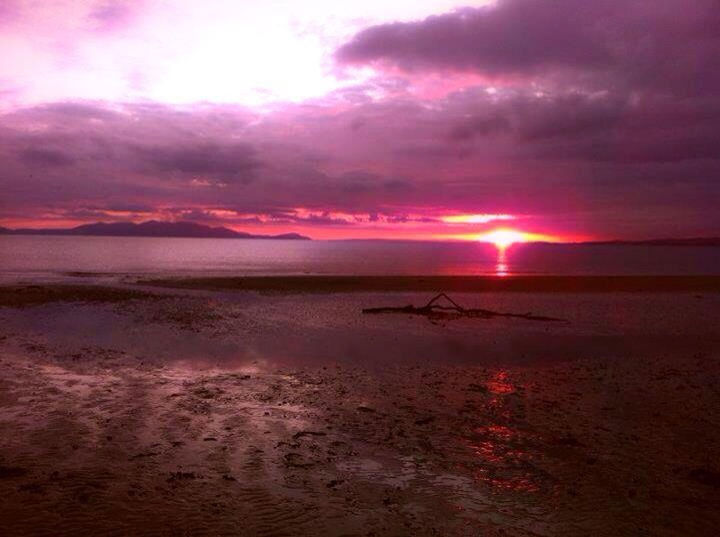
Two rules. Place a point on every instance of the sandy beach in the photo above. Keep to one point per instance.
(225, 408)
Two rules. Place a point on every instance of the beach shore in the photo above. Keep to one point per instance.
(463, 284)
(273, 406)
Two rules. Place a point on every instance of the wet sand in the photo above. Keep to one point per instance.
(472, 284)
(216, 412)
(19, 296)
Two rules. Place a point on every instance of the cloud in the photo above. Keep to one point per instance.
(114, 14)
(226, 161)
(594, 162)
(664, 45)
(9, 10)
(45, 157)
(498, 39)
(479, 126)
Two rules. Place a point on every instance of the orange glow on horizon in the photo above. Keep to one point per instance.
(502, 238)
(321, 225)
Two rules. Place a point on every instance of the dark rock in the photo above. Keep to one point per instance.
(9, 472)
(477, 388)
(568, 440)
(181, 476)
(296, 460)
(705, 476)
(425, 420)
(300, 434)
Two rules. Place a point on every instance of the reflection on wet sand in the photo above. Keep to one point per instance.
(188, 415)
(500, 383)
(504, 451)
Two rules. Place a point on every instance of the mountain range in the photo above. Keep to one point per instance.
(152, 228)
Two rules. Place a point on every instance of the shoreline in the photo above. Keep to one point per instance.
(466, 284)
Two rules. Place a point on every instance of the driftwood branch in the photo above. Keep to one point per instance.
(432, 310)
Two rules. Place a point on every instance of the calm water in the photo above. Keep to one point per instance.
(35, 255)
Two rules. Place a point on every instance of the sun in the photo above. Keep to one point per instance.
(502, 238)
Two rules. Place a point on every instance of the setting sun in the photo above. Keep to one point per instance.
(502, 238)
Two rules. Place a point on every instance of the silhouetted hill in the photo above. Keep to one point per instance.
(694, 241)
(153, 228)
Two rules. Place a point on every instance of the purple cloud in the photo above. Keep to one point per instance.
(40, 157)
(611, 161)
(226, 161)
(664, 45)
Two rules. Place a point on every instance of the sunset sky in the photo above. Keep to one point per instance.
(565, 119)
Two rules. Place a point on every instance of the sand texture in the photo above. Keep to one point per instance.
(206, 412)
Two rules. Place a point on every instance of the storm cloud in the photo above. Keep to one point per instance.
(664, 45)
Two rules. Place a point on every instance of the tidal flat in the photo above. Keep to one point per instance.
(203, 410)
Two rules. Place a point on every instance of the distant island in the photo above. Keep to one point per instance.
(152, 228)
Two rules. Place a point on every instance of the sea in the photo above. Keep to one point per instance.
(41, 257)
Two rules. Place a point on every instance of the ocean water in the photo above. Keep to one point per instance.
(46, 255)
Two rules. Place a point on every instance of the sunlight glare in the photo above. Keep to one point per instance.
(502, 238)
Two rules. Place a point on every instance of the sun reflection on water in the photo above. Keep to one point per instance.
(501, 266)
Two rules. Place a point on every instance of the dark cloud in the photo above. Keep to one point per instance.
(133, 157)
(495, 39)
(479, 126)
(73, 111)
(233, 161)
(567, 116)
(45, 157)
(324, 219)
(668, 45)
(397, 184)
(130, 207)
